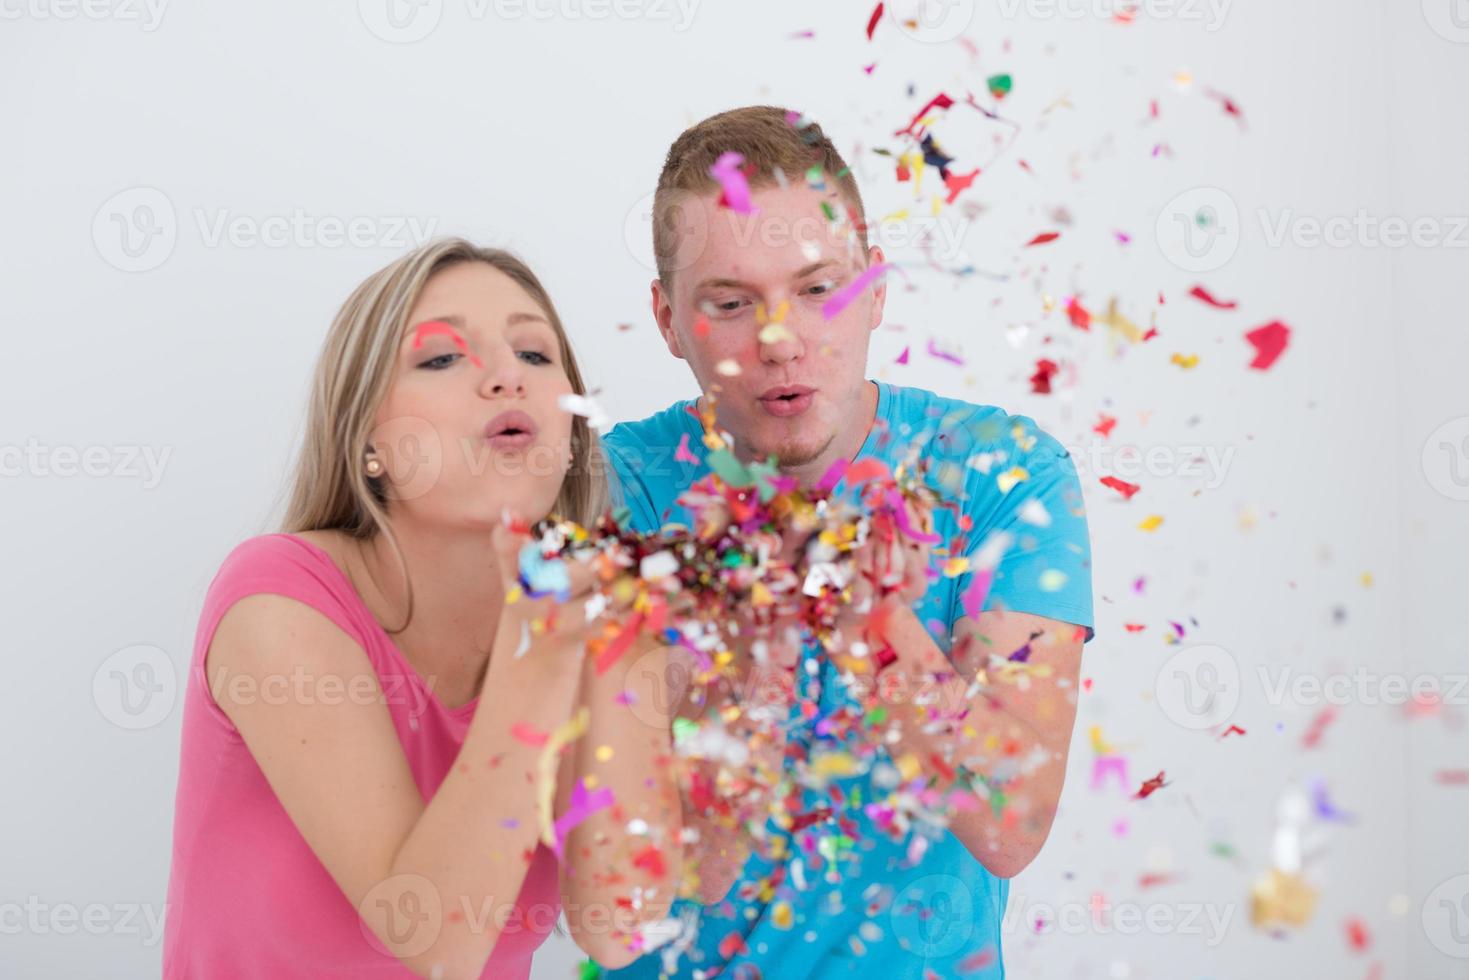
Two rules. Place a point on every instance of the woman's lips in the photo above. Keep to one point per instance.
(510, 431)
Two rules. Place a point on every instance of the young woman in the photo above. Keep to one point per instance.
(366, 715)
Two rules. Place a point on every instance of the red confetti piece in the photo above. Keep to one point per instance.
(1269, 342)
(1233, 730)
(731, 946)
(1079, 316)
(1045, 370)
(940, 101)
(1134, 627)
(650, 859)
(1150, 786)
(1357, 935)
(528, 735)
(1202, 294)
(1105, 426)
(1043, 238)
(1453, 777)
(1319, 724)
(956, 183)
(872, 21)
(1121, 486)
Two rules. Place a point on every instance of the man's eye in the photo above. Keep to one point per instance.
(534, 357)
(439, 363)
(821, 288)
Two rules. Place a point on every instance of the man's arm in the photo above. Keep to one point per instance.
(1017, 718)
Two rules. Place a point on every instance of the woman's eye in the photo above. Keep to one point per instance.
(534, 357)
(439, 363)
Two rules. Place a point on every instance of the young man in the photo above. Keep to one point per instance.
(739, 296)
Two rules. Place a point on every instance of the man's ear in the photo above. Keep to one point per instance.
(879, 289)
(663, 316)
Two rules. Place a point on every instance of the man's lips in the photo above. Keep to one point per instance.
(787, 401)
(511, 430)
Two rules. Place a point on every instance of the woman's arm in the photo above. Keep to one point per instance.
(613, 880)
(434, 879)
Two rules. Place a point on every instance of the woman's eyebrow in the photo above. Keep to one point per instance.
(444, 325)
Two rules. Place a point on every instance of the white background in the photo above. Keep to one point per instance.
(541, 127)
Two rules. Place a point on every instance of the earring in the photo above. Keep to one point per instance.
(374, 466)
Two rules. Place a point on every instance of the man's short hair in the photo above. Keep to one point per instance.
(770, 139)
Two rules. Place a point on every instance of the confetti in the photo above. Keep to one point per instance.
(1269, 342)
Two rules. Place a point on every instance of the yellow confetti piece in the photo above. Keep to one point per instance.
(779, 317)
(1366, 580)
(760, 595)
(1151, 523)
(1052, 580)
(1010, 477)
(1113, 318)
(605, 753)
(909, 767)
(573, 729)
(955, 567)
(1281, 899)
(782, 916)
(1187, 362)
(728, 368)
(833, 764)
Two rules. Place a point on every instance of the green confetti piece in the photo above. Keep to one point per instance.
(729, 469)
(828, 210)
(590, 970)
(1000, 85)
(684, 729)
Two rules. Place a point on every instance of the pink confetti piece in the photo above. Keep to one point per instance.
(736, 189)
(528, 735)
(682, 454)
(431, 328)
(852, 290)
(935, 351)
(583, 805)
(903, 357)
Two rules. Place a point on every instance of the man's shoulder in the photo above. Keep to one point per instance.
(651, 431)
(958, 429)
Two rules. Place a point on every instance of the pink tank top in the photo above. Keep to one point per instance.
(247, 898)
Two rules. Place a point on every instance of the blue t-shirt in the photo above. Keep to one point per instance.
(872, 911)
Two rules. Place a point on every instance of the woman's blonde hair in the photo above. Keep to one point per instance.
(330, 488)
